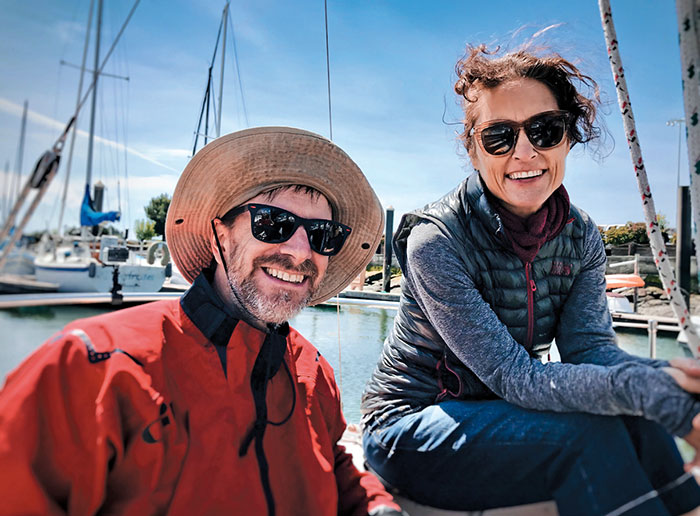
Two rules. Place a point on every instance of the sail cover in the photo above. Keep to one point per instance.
(90, 217)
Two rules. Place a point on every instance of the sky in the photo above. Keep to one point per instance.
(394, 110)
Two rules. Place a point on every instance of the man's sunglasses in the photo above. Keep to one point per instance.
(274, 225)
(544, 130)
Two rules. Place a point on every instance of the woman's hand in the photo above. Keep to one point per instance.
(693, 439)
(686, 372)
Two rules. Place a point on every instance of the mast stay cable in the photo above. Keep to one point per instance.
(207, 96)
(238, 70)
(328, 71)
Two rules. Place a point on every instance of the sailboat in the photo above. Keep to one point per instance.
(104, 264)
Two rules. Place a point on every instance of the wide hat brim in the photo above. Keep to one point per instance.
(238, 166)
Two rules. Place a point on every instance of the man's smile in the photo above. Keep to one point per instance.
(284, 276)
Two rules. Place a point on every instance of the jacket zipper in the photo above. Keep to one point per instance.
(531, 288)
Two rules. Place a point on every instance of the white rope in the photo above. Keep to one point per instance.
(658, 248)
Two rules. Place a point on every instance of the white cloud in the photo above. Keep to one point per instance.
(38, 118)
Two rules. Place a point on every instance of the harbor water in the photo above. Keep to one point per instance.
(349, 337)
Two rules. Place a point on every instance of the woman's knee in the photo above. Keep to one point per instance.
(578, 430)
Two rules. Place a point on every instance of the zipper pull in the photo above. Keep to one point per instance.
(533, 287)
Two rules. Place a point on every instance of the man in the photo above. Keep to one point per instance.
(209, 404)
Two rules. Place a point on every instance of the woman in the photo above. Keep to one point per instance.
(461, 412)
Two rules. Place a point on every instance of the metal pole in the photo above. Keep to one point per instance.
(95, 76)
(679, 122)
(388, 235)
(684, 244)
(678, 158)
(653, 328)
(64, 196)
(689, 38)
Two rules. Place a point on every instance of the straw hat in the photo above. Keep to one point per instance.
(235, 168)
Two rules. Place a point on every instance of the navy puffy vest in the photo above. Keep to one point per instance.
(416, 368)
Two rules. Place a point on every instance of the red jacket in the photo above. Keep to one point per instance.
(131, 413)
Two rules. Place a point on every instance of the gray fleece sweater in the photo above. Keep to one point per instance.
(595, 375)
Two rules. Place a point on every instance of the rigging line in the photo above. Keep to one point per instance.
(206, 117)
(328, 71)
(216, 46)
(340, 357)
(238, 70)
(213, 103)
(205, 99)
(207, 96)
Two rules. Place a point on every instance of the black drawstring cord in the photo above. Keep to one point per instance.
(267, 364)
(258, 426)
(294, 398)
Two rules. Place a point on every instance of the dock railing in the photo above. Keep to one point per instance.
(652, 324)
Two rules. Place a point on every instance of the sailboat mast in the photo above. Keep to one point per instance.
(20, 149)
(7, 198)
(224, 20)
(75, 125)
(95, 75)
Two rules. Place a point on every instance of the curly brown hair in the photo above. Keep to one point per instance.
(478, 70)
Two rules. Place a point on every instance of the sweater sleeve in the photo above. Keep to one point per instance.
(470, 328)
(51, 459)
(585, 333)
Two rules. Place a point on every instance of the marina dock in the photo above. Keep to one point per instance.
(7, 301)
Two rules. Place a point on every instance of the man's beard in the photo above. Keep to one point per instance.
(278, 306)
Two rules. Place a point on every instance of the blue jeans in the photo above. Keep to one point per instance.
(477, 455)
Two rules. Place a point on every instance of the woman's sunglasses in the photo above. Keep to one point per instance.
(274, 225)
(544, 130)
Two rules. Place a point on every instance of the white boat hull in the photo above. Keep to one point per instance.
(76, 278)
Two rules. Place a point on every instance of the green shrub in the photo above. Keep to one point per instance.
(632, 232)
(145, 229)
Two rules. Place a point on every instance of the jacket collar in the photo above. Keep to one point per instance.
(208, 312)
(477, 201)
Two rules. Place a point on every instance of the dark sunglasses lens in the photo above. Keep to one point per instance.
(497, 139)
(546, 131)
(272, 225)
(326, 237)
